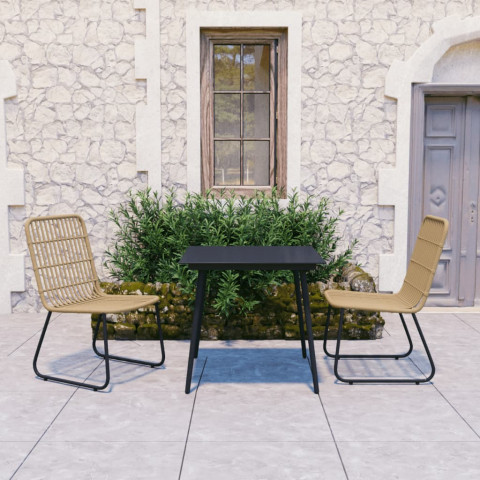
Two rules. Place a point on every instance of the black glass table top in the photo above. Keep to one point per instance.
(251, 258)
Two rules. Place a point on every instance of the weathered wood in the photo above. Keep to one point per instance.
(278, 109)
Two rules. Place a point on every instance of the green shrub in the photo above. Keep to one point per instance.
(151, 238)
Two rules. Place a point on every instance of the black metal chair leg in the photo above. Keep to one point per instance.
(308, 322)
(325, 333)
(133, 360)
(382, 380)
(337, 348)
(197, 322)
(427, 351)
(396, 356)
(298, 296)
(64, 380)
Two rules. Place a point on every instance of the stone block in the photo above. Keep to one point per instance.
(340, 51)
(58, 54)
(59, 94)
(110, 330)
(147, 331)
(125, 331)
(110, 32)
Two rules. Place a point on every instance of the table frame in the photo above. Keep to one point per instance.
(303, 307)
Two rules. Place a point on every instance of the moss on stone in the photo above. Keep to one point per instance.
(132, 287)
(173, 332)
(110, 330)
(274, 317)
(125, 331)
(147, 331)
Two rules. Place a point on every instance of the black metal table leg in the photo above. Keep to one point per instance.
(197, 322)
(298, 295)
(308, 321)
(199, 326)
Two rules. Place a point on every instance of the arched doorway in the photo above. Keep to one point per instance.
(444, 170)
(437, 60)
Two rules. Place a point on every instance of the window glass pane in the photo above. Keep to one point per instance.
(227, 162)
(226, 65)
(256, 164)
(256, 67)
(227, 115)
(256, 115)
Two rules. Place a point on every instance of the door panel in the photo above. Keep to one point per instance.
(468, 243)
(447, 186)
(442, 187)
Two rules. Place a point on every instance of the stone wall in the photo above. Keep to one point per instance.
(72, 124)
(275, 317)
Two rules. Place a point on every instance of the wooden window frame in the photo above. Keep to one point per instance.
(278, 122)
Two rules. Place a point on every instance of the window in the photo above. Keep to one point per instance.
(243, 109)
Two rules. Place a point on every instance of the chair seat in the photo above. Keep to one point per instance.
(370, 302)
(109, 304)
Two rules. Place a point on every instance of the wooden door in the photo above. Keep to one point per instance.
(445, 183)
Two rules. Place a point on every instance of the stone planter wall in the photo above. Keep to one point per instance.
(275, 318)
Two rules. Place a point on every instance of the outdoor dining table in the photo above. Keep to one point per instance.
(298, 259)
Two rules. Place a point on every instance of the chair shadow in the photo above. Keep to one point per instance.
(363, 368)
(85, 366)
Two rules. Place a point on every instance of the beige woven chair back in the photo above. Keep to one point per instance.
(62, 260)
(423, 262)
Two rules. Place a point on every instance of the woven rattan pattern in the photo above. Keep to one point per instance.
(414, 292)
(65, 271)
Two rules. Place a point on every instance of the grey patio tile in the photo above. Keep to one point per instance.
(103, 460)
(438, 328)
(25, 319)
(258, 412)
(137, 378)
(55, 350)
(392, 413)
(250, 344)
(53, 345)
(12, 455)
(456, 365)
(24, 416)
(472, 319)
(465, 399)
(256, 365)
(411, 460)
(384, 345)
(57, 345)
(366, 369)
(16, 373)
(261, 461)
(176, 350)
(15, 338)
(123, 416)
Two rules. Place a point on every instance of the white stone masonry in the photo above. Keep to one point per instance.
(76, 123)
(11, 193)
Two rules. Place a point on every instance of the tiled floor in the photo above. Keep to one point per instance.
(252, 413)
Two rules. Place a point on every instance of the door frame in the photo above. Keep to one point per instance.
(419, 92)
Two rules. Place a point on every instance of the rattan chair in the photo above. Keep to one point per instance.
(410, 299)
(68, 283)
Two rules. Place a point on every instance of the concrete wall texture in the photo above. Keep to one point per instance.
(71, 124)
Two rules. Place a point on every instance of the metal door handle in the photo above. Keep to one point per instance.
(473, 212)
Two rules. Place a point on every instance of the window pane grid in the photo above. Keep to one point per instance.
(254, 164)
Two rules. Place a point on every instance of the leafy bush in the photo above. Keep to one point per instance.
(152, 237)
